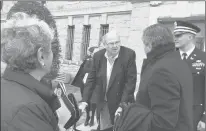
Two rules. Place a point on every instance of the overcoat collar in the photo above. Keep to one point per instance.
(25, 79)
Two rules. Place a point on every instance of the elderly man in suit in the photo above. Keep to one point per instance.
(113, 77)
(184, 33)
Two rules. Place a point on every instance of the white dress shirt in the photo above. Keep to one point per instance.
(110, 64)
(105, 120)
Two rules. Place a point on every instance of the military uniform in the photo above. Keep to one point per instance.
(196, 59)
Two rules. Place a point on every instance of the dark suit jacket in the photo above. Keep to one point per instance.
(122, 81)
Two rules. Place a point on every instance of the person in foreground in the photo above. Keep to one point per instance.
(185, 33)
(113, 77)
(164, 99)
(26, 103)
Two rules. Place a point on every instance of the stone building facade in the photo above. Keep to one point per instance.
(128, 18)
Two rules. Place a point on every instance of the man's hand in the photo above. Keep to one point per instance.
(82, 106)
(201, 126)
(118, 111)
(61, 127)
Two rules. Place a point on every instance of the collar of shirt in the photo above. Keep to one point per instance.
(188, 52)
(109, 58)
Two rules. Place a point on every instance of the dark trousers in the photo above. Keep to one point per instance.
(197, 115)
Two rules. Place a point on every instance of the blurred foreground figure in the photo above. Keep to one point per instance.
(36, 9)
(26, 103)
(164, 98)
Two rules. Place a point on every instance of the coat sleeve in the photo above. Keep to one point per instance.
(164, 92)
(131, 79)
(90, 82)
(32, 118)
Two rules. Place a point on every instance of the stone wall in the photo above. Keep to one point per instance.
(139, 21)
(78, 22)
(121, 23)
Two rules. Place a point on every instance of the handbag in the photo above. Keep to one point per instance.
(71, 104)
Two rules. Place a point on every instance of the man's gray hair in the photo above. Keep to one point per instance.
(109, 34)
(157, 34)
(21, 37)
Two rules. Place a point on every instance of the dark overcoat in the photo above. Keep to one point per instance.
(27, 104)
(166, 91)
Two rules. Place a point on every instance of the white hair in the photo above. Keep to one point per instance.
(21, 37)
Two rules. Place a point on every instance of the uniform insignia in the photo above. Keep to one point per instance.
(191, 58)
(198, 64)
(198, 72)
(195, 55)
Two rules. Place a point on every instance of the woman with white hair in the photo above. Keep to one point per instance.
(26, 103)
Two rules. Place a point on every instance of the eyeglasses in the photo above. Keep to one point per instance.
(114, 43)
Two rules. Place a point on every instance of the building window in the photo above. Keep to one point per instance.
(85, 40)
(70, 42)
(104, 28)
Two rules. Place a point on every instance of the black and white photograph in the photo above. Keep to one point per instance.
(103, 65)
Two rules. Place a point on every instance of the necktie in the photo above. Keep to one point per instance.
(184, 56)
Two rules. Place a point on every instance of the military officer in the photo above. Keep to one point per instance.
(185, 33)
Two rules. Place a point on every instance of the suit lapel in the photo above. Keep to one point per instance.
(192, 55)
(104, 72)
(115, 70)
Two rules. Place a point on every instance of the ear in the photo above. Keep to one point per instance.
(191, 36)
(40, 56)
